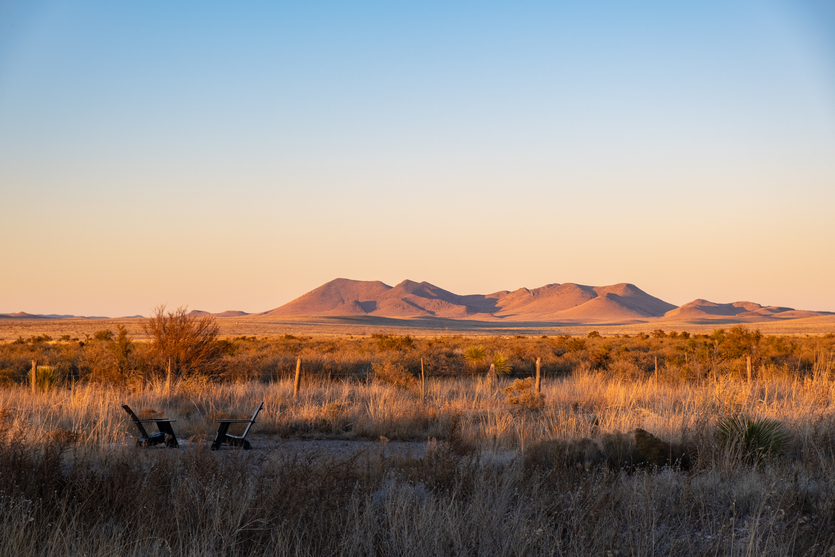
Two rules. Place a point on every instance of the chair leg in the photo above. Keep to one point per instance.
(220, 438)
(235, 442)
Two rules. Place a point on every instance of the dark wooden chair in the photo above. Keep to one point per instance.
(234, 440)
(164, 435)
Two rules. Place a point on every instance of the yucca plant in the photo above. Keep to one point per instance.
(502, 364)
(475, 354)
(751, 440)
(46, 378)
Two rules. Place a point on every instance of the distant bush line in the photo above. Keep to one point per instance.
(112, 357)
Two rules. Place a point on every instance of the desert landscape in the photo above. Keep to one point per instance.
(418, 279)
(614, 439)
(344, 306)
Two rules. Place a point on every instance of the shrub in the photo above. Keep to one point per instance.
(521, 393)
(393, 374)
(123, 352)
(186, 343)
(650, 450)
(575, 345)
(393, 342)
(600, 356)
(751, 440)
(103, 335)
(7, 376)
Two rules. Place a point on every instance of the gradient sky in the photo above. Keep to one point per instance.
(228, 155)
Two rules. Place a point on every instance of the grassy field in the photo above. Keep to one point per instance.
(620, 455)
(73, 484)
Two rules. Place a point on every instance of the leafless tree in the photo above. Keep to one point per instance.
(182, 344)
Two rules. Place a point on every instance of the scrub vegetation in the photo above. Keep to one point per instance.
(652, 444)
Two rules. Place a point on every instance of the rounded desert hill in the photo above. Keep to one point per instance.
(338, 297)
(605, 307)
(545, 300)
(700, 308)
(231, 313)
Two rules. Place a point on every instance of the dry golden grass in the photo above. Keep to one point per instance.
(69, 484)
(496, 478)
(584, 404)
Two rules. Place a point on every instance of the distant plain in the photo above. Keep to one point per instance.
(12, 329)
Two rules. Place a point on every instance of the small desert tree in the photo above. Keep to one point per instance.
(186, 345)
(123, 352)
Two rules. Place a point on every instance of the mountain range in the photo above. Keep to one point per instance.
(567, 303)
(24, 315)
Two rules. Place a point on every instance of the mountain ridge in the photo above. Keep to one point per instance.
(555, 302)
(566, 303)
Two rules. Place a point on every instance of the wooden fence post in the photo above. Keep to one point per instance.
(297, 382)
(168, 379)
(422, 383)
(656, 369)
(33, 376)
(748, 363)
(538, 375)
(492, 378)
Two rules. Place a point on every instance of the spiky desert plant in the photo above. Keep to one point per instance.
(46, 378)
(475, 354)
(502, 364)
(751, 440)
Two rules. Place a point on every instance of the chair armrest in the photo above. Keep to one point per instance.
(153, 421)
(232, 421)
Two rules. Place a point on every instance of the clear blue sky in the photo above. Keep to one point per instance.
(236, 155)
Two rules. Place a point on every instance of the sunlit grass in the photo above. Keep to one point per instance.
(585, 404)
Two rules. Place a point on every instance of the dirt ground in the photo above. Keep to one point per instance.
(339, 449)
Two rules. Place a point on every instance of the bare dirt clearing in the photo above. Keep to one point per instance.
(339, 449)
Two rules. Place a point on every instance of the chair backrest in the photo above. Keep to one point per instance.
(252, 419)
(136, 421)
